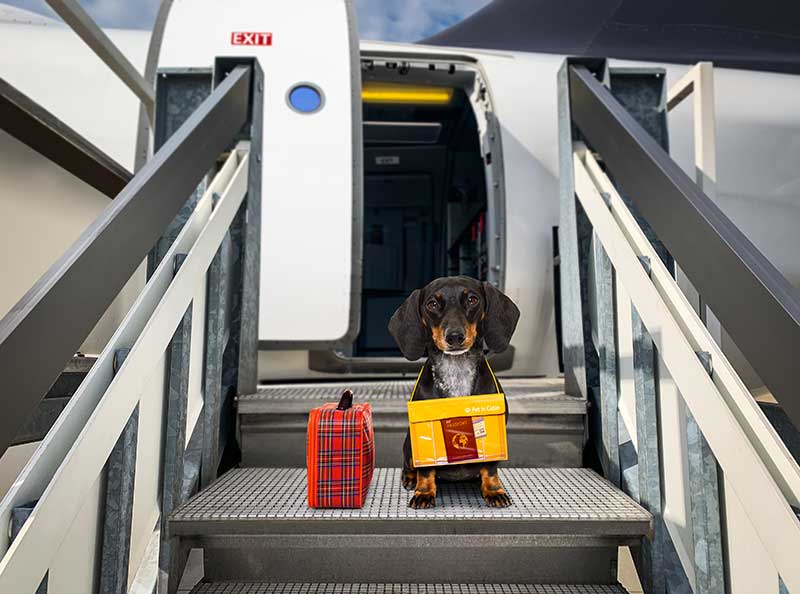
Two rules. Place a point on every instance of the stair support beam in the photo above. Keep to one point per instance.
(175, 435)
(605, 323)
(118, 509)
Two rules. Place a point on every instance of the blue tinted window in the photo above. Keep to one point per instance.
(305, 99)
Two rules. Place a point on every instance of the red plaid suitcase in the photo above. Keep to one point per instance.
(340, 453)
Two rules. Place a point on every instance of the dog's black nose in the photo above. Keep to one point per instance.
(455, 339)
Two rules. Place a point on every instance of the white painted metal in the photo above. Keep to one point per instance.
(771, 449)
(308, 172)
(627, 389)
(699, 82)
(29, 556)
(754, 460)
(149, 327)
(36, 475)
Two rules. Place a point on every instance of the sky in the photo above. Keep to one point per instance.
(384, 20)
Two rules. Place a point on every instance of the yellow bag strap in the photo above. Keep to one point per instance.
(496, 385)
(419, 375)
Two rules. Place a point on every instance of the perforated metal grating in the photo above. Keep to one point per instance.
(297, 588)
(399, 390)
(548, 494)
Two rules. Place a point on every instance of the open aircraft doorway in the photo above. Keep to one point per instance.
(427, 172)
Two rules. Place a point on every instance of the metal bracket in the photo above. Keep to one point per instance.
(646, 264)
(119, 358)
(705, 359)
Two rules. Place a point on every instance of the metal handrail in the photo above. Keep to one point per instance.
(754, 302)
(72, 295)
(756, 463)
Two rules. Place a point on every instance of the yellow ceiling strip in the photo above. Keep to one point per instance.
(397, 93)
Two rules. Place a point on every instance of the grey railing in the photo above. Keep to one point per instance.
(47, 326)
(754, 302)
(671, 421)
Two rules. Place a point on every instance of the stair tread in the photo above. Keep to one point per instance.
(525, 395)
(545, 501)
(407, 588)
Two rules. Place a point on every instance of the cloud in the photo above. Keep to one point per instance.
(411, 20)
(118, 14)
(382, 20)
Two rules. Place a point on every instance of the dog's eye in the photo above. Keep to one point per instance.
(432, 305)
(472, 300)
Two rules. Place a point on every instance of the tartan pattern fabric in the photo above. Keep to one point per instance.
(340, 455)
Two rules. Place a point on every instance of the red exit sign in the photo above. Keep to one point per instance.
(250, 38)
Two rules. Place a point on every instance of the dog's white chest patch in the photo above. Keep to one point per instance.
(454, 376)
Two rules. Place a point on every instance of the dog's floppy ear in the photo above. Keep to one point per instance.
(500, 320)
(406, 328)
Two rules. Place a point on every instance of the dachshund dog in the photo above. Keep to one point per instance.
(450, 319)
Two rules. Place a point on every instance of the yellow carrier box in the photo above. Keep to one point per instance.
(458, 430)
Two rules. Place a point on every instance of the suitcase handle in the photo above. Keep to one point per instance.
(346, 401)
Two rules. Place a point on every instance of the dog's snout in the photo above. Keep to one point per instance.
(454, 338)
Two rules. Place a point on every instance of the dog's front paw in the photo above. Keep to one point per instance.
(422, 500)
(409, 479)
(497, 499)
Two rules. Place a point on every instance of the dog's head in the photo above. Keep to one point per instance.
(453, 314)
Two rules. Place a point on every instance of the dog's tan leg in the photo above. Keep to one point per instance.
(425, 490)
(492, 489)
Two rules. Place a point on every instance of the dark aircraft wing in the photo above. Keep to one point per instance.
(754, 35)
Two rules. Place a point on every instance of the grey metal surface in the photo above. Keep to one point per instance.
(538, 441)
(545, 427)
(36, 127)
(80, 22)
(328, 588)
(20, 515)
(606, 345)
(700, 237)
(172, 473)
(549, 391)
(247, 237)
(545, 501)
(704, 502)
(484, 559)
(650, 562)
(178, 94)
(216, 339)
(118, 510)
(78, 288)
(572, 336)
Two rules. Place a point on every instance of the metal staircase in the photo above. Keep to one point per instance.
(126, 480)
(546, 427)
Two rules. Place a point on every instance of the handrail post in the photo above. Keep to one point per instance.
(704, 477)
(86, 279)
(232, 323)
(580, 364)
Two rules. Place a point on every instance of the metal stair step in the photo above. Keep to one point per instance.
(564, 526)
(545, 428)
(407, 588)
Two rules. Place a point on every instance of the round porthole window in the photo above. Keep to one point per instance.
(305, 98)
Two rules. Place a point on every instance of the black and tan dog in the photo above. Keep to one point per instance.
(450, 320)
